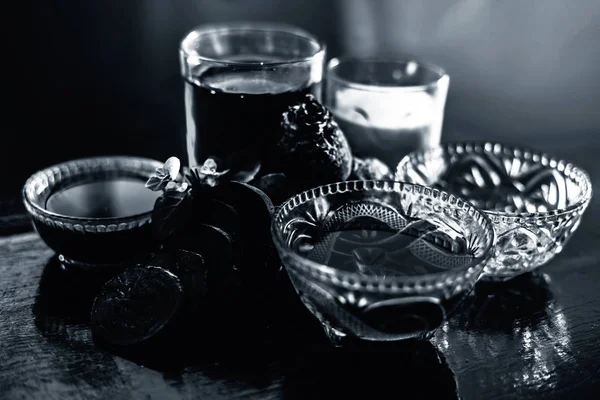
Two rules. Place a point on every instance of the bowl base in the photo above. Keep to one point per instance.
(337, 338)
(488, 278)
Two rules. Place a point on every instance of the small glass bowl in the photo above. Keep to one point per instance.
(534, 201)
(381, 260)
(86, 241)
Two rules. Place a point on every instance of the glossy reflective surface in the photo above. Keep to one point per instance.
(538, 338)
(110, 198)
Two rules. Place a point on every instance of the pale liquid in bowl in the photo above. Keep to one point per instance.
(110, 198)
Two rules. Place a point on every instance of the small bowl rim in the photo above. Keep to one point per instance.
(35, 209)
(527, 152)
(382, 284)
(335, 62)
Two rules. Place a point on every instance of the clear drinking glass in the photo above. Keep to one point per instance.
(239, 77)
(387, 108)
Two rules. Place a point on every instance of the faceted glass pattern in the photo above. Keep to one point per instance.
(535, 201)
(381, 260)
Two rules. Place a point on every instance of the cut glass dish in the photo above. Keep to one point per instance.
(381, 260)
(534, 201)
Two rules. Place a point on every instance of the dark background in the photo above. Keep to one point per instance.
(90, 77)
(87, 77)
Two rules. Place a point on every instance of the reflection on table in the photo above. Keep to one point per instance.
(519, 321)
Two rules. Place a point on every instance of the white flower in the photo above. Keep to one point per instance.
(172, 167)
(177, 186)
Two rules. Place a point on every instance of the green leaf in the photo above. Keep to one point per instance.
(171, 211)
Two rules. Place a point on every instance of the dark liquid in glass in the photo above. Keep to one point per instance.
(110, 198)
(234, 113)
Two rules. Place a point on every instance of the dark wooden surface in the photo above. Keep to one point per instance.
(538, 337)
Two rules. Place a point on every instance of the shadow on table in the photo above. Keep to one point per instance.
(373, 371)
(257, 344)
(61, 314)
(66, 297)
(525, 300)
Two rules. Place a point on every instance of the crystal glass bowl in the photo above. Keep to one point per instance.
(534, 201)
(381, 260)
(83, 240)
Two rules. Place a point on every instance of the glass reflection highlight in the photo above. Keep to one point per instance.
(519, 321)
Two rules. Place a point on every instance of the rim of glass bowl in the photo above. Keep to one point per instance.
(186, 46)
(578, 175)
(335, 62)
(446, 278)
(41, 184)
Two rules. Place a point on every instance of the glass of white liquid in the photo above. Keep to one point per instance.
(387, 108)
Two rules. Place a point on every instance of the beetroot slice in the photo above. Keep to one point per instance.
(136, 305)
(254, 209)
(209, 211)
